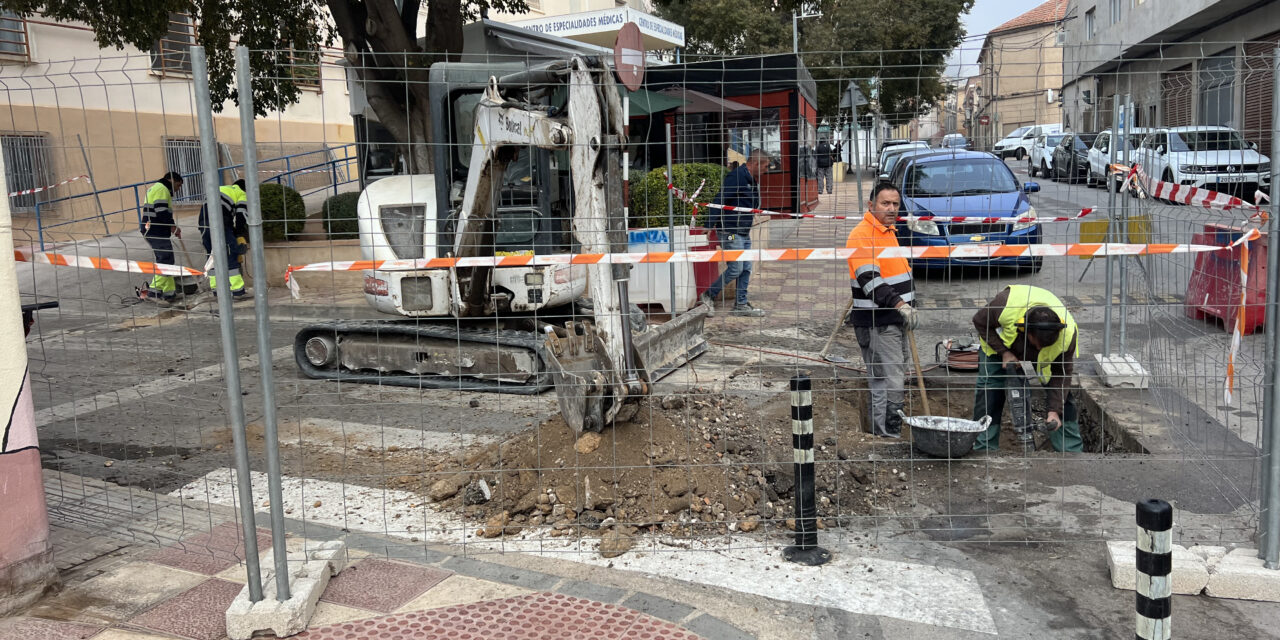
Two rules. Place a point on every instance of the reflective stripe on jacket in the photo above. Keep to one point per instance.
(157, 216)
(879, 284)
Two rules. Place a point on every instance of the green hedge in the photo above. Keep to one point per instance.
(283, 212)
(340, 216)
(649, 193)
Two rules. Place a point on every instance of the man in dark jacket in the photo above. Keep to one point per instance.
(157, 227)
(740, 189)
(824, 166)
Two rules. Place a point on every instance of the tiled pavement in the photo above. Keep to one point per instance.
(181, 588)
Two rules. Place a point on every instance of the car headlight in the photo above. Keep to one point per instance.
(926, 227)
(1030, 220)
(1265, 168)
(1194, 168)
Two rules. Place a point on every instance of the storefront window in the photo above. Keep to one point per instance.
(762, 132)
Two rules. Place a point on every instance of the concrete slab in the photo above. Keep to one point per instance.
(459, 590)
(309, 574)
(1241, 575)
(1190, 572)
(1122, 371)
(116, 596)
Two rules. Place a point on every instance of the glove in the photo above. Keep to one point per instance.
(242, 245)
(910, 317)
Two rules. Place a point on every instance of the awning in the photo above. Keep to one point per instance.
(699, 102)
(645, 103)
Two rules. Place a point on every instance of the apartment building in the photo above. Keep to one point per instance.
(1020, 73)
(69, 108)
(1183, 62)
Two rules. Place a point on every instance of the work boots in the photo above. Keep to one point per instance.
(892, 421)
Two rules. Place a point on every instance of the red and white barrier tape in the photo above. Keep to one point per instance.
(969, 251)
(105, 264)
(934, 218)
(27, 192)
(1195, 196)
(1230, 382)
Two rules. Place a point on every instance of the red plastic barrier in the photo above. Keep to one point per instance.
(704, 273)
(1214, 288)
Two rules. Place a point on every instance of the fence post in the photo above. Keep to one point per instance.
(226, 322)
(806, 549)
(1153, 601)
(1269, 522)
(1111, 224)
(262, 316)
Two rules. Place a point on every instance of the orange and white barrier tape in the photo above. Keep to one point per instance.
(934, 218)
(27, 192)
(969, 251)
(1230, 383)
(105, 264)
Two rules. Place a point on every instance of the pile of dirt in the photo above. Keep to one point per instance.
(684, 465)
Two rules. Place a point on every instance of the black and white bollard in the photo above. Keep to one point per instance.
(806, 549)
(1155, 563)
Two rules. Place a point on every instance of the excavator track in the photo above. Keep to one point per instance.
(424, 355)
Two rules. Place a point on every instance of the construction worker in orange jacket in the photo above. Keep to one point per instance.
(883, 299)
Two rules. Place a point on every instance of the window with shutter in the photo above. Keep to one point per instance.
(172, 53)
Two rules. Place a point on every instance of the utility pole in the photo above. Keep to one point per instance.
(795, 28)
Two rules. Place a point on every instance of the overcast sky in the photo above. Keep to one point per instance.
(985, 16)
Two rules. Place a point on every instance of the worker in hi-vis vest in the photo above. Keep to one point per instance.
(235, 227)
(1025, 323)
(157, 226)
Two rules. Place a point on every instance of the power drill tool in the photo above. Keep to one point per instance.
(1018, 391)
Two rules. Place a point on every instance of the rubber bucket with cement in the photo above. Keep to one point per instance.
(944, 436)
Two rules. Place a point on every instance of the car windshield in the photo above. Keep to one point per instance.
(960, 177)
(1208, 140)
(1085, 140)
(1017, 133)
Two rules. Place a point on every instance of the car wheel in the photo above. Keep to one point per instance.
(1036, 265)
(1021, 154)
(1031, 170)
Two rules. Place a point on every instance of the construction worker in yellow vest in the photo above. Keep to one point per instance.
(157, 226)
(1025, 323)
(233, 202)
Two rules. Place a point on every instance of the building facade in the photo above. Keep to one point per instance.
(1020, 72)
(1182, 62)
(72, 109)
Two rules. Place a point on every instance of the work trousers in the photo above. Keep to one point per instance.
(824, 177)
(163, 286)
(885, 353)
(988, 400)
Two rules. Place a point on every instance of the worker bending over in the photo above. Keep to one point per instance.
(883, 295)
(157, 226)
(1025, 323)
(235, 227)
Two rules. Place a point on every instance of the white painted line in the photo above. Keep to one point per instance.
(748, 563)
(77, 408)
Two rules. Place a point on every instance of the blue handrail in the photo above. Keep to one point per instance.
(334, 167)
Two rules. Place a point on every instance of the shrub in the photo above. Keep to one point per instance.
(283, 212)
(340, 216)
(649, 193)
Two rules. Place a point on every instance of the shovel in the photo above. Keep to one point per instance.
(915, 358)
(834, 331)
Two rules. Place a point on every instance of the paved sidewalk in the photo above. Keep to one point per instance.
(139, 566)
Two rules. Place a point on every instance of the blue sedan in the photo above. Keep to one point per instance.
(964, 183)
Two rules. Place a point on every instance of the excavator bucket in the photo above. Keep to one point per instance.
(578, 363)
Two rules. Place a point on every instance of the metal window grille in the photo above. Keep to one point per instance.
(171, 54)
(13, 36)
(28, 164)
(183, 155)
(304, 68)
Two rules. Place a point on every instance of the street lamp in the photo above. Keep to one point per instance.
(795, 28)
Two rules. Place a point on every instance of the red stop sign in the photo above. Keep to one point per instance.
(628, 56)
(984, 120)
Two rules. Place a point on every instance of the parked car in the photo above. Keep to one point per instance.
(1214, 158)
(889, 152)
(964, 183)
(954, 141)
(1071, 157)
(1100, 156)
(895, 156)
(893, 143)
(1018, 142)
(1041, 158)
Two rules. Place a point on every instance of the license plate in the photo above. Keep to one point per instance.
(1231, 178)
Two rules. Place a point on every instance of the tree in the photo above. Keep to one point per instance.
(902, 42)
(380, 40)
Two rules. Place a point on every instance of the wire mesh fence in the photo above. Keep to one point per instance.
(435, 402)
